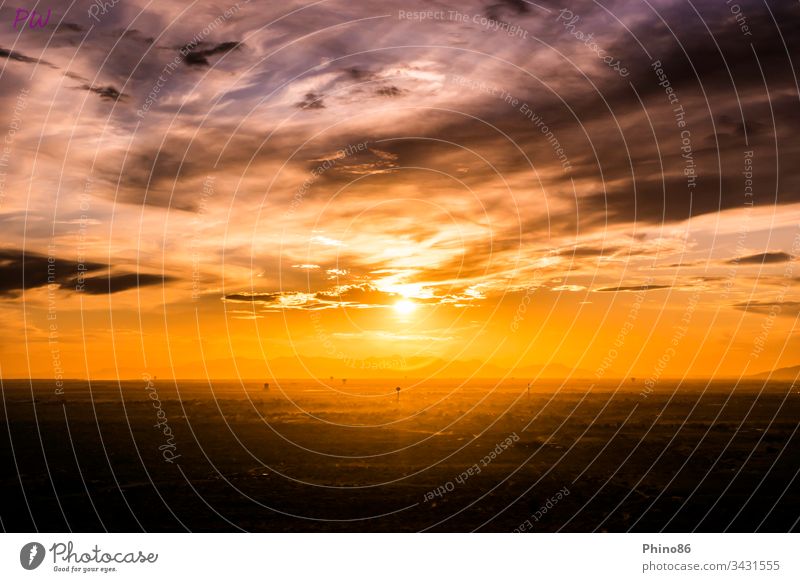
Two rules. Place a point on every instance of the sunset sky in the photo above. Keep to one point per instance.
(448, 188)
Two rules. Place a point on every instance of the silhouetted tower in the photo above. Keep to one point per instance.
(398, 392)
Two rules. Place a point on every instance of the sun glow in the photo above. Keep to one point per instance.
(405, 307)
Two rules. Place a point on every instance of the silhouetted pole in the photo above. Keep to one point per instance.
(398, 393)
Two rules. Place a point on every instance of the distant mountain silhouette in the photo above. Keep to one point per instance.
(389, 367)
(790, 373)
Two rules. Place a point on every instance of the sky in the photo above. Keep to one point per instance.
(484, 188)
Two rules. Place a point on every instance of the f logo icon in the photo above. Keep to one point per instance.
(31, 555)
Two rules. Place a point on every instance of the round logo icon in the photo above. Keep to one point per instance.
(31, 555)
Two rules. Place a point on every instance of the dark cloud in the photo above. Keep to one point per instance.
(367, 161)
(354, 296)
(497, 10)
(389, 91)
(311, 101)
(15, 56)
(151, 176)
(75, 76)
(254, 297)
(103, 285)
(632, 288)
(589, 251)
(679, 265)
(623, 183)
(357, 73)
(199, 58)
(157, 174)
(20, 58)
(787, 308)
(762, 259)
(657, 199)
(728, 126)
(107, 93)
(137, 36)
(68, 27)
(714, 78)
(21, 270)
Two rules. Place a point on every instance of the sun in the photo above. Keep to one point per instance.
(405, 307)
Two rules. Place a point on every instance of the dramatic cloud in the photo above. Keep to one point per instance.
(353, 296)
(15, 56)
(762, 259)
(786, 308)
(122, 282)
(21, 270)
(632, 288)
(390, 91)
(199, 58)
(311, 101)
(448, 161)
(108, 93)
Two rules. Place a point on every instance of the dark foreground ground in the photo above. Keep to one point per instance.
(303, 457)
